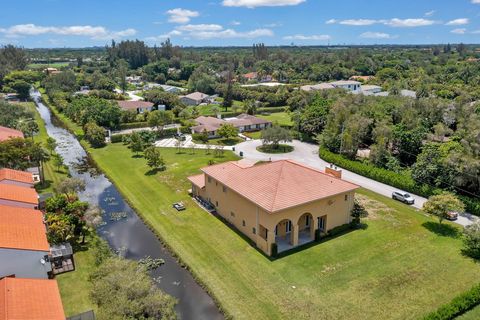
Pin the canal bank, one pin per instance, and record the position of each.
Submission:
(125, 231)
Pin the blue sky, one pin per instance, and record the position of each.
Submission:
(62, 23)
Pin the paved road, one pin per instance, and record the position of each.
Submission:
(308, 154)
(131, 94)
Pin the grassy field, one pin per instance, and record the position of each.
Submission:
(41, 66)
(52, 175)
(282, 118)
(402, 266)
(75, 287)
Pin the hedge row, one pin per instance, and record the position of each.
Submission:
(402, 181)
(155, 135)
(133, 125)
(458, 306)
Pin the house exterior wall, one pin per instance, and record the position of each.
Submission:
(17, 183)
(18, 204)
(189, 102)
(23, 263)
(259, 224)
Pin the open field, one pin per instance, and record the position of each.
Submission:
(395, 268)
(52, 175)
(282, 118)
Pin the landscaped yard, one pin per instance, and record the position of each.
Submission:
(473, 314)
(52, 175)
(282, 118)
(403, 265)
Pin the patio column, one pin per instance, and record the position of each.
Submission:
(270, 240)
(294, 235)
(313, 227)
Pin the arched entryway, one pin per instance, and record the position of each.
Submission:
(306, 230)
(284, 234)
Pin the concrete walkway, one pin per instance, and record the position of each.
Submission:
(188, 143)
(308, 153)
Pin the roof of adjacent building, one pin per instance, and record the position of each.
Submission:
(250, 75)
(30, 299)
(371, 87)
(196, 96)
(8, 133)
(345, 83)
(212, 124)
(133, 105)
(23, 229)
(320, 86)
(16, 175)
(19, 194)
(278, 185)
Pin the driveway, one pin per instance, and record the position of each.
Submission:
(308, 153)
(188, 143)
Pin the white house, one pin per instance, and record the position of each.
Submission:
(371, 89)
(24, 249)
(348, 85)
(137, 106)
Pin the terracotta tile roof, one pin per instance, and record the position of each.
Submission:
(16, 175)
(133, 105)
(278, 185)
(19, 194)
(22, 228)
(30, 299)
(250, 75)
(198, 180)
(8, 133)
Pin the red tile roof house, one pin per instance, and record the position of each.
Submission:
(16, 177)
(20, 197)
(243, 122)
(281, 203)
(24, 248)
(30, 299)
(8, 133)
(137, 106)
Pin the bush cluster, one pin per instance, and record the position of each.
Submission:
(458, 306)
(146, 135)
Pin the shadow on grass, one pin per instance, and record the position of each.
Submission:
(153, 172)
(43, 185)
(443, 230)
(136, 156)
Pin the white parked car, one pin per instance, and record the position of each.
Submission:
(403, 197)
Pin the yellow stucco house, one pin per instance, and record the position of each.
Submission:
(281, 202)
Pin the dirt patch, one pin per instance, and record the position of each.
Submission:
(374, 208)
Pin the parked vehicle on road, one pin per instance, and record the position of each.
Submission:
(403, 197)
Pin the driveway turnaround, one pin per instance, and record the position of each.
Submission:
(308, 153)
(188, 143)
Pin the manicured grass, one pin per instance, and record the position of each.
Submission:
(75, 287)
(253, 135)
(52, 175)
(47, 65)
(403, 265)
(282, 118)
(282, 148)
(225, 142)
(473, 314)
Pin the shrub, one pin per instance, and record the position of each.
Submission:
(458, 306)
(318, 235)
(274, 250)
(339, 230)
(133, 125)
(471, 240)
(147, 136)
(402, 180)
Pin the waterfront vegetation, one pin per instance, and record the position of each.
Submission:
(394, 268)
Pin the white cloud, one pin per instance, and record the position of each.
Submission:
(317, 37)
(375, 35)
(179, 15)
(476, 1)
(94, 32)
(429, 13)
(459, 31)
(358, 22)
(261, 3)
(230, 33)
(331, 21)
(273, 25)
(200, 27)
(458, 22)
(408, 23)
(235, 23)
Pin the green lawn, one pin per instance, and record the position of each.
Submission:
(399, 267)
(52, 175)
(253, 135)
(282, 118)
(75, 287)
(42, 66)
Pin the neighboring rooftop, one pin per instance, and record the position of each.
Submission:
(18, 194)
(30, 299)
(133, 105)
(8, 133)
(23, 229)
(345, 83)
(278, 185)
(16, 175)
(196, 96)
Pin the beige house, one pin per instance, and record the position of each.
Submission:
(281, 202)
(243, 122)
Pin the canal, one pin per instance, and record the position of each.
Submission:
(124, 230)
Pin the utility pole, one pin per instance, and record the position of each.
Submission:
(341, 138)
